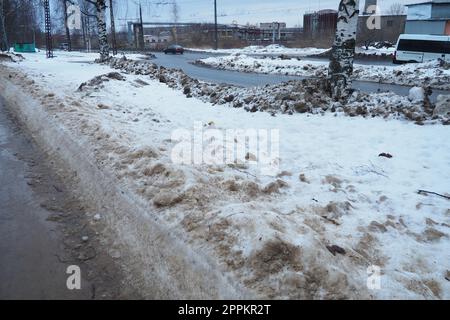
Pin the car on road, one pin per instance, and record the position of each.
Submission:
(64, 46)
(174, 49)
(421, 48)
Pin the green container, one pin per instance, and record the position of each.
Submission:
(25, 47)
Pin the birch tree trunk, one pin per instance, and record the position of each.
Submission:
(100, 6)
(3, 37)
(66, 21)
(343, 51)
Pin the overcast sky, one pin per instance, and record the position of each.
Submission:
(229, 11)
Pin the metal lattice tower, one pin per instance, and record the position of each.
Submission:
(48, 30)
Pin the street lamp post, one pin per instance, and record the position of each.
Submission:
(216, 36)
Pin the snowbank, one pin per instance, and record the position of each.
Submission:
(306, 96)
(156, 258)
(339, 207)
(10, 57)
(276, 49)
(273, 49)
(435, 74)
(374, 51)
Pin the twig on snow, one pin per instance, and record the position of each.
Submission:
(425, 192)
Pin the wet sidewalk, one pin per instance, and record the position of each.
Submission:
(30, 246)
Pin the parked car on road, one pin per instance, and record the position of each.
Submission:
(174, 49)
(64, 46)
(421, 48)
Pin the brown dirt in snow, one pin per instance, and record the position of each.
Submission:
(334, 210)
(367, 252)
(273, 257)
(428, 288)
(96, 82)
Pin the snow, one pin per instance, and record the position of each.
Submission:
(349, 196)
(273, 49)
(371, 50)
(430, 73)
(245, 63)
(276, 49)
(416, 94)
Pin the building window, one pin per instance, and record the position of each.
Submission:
(390, 23)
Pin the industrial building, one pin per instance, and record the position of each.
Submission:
(430, 17)
(264, 33)
(390, 28)
(157, 35)
(375, 27)
(320, 22)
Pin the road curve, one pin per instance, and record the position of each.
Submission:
(243, 79)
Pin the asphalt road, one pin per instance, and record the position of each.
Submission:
(41, 225)
(184, 62)
(29, 244)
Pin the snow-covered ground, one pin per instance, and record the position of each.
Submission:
(431, 73)
(335, 215)
(371, 50)
(277, 49)
(273, 49)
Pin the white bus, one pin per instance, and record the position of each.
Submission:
(421, 48)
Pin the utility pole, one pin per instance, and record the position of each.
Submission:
(86, 25)
(273, 32)
(276, 32)
(89, 33)
(83, 30)
(141, 31)
(113, 28)
(3, 37)
(69, 42)
(216, 32)
(48, 30)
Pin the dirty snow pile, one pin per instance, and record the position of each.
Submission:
(280, 50)
(273, 49)
(435, 74)
(10, 57)
(342, 210)
(306, 96)
(375, 51)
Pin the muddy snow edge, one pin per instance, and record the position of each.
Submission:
(165, 264)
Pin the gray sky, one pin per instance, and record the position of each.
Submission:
(240, 11)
